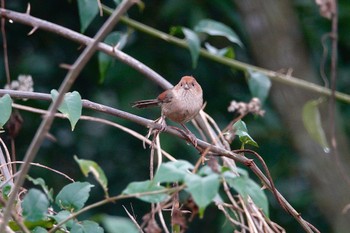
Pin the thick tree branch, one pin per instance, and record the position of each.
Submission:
(34, 22)
(48, 119)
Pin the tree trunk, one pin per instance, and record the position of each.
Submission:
(276, 43)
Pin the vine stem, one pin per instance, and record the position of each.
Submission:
(45, 125)
(152, 75)
(285, 79)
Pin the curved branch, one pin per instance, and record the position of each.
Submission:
(32, 21)
(204, 146)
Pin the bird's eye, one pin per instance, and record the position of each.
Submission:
(181, 84)
(193, 84)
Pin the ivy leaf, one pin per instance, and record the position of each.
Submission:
(6, 109)
(86, 226)
(194, 44)
(35, 205)
(39, 230)
(313, 125)
(41, 182)
(224, 52)
(215, 28)
(89, 166)
(71, 106)
(242, 132)
(146, 186)
(247, 187)
(172, 171)
(104, 60)
(73, 196)
(202, 189)
(259, 85)
(114, 224)
(88, 9)
(61, 216)
(6, 190)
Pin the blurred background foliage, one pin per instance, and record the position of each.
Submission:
(120, 155)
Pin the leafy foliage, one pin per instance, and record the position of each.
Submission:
(242, 132)
(35, 205)
(146, 187)
(117, 40)
(88, 166)
(313, 125)
(193, 43)
(202, 189)
(71, 106)
(115, 224)
(6, 109)
(88, 10)
(215, 28)
(259, 85)
(73, 196)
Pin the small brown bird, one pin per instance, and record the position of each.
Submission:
(180, 103)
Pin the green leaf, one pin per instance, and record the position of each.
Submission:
(41, 182)
(35, 205)
(194, 44)
(202, 189)
(146, 186)
(312, 123)
(46, 224)
(62, 215)
(89, 166)
(247, 187)
(259, 85)
(39, 230)
(86, 226)
(215, 28)
(114, 224)
(104, 60)
(242, 132)
(88, 9)
(71, 106)
(73, 196)
(6, 109)
(173, 171)
(206, 171)
(6, 190)
(117, 2)
(224, 52)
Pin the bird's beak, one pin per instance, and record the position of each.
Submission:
(186, 86)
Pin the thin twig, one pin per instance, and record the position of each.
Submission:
(42, 166)
(274, 190)
(16, 218)
(113, 199)
(99, 120)
(133, 219)
(4, 45)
